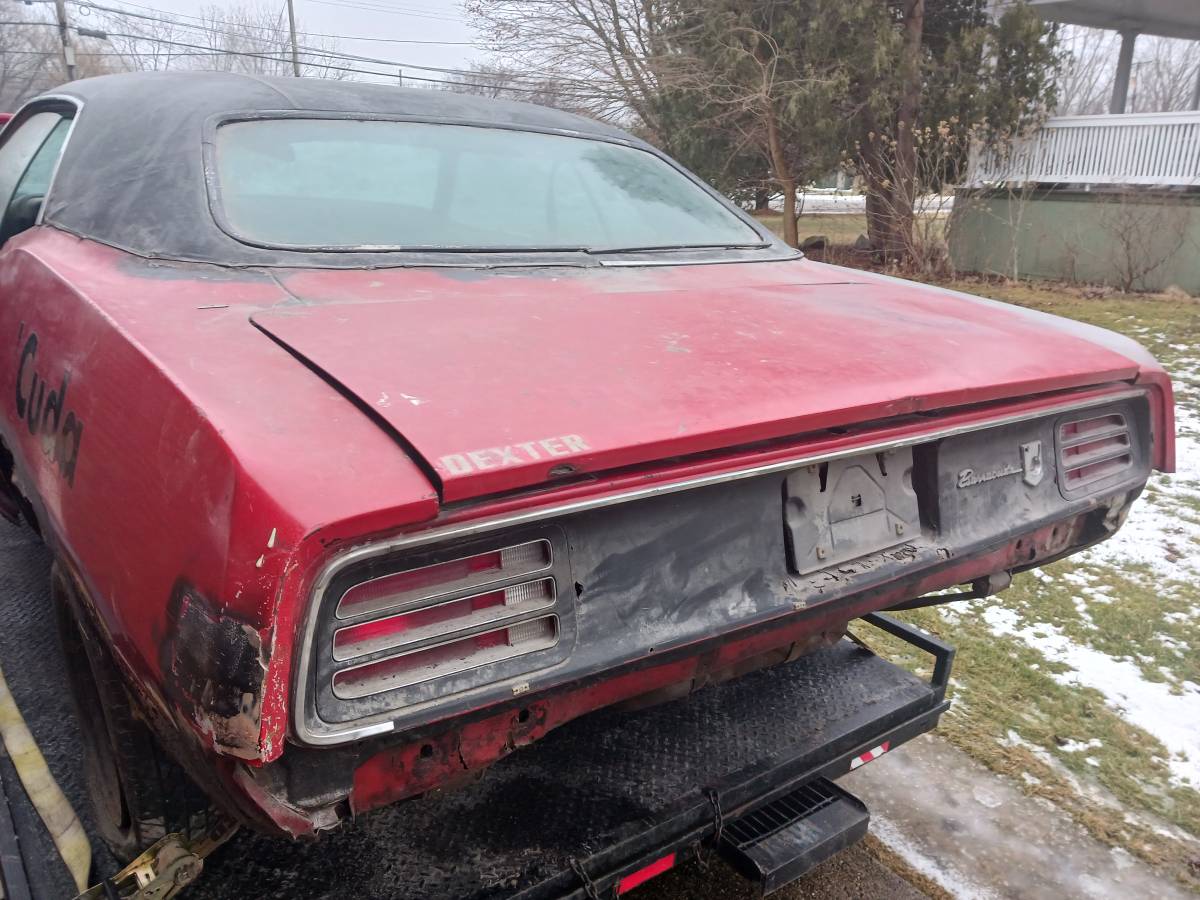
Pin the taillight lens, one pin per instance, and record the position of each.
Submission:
(1092, 452)
(408, 628)
(445, 658)
(443, 579)
(433, 621)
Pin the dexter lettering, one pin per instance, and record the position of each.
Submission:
(512, 455)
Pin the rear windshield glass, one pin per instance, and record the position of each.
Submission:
(347, 184)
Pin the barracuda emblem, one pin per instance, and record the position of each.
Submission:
(1031, 469)
(1031, 463)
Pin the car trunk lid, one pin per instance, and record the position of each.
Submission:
(502, 381)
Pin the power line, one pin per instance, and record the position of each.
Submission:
(322, 56)
(336, 54)
(371, 7)
(324, 65)
(86, 5)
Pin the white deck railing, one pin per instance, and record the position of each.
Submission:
(1137, 148)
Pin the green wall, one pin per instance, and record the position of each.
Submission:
(1149, 238)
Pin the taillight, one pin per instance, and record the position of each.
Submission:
(406, 629)
(445, 658)
(1092, 452)
(434, 621)
(443, 579)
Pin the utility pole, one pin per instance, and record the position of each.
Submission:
(291, 28)
(64, 35)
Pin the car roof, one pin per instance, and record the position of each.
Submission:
(133, 172)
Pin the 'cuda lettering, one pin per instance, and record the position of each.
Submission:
(43, 411)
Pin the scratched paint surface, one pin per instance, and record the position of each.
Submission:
(211, 455)
(532, 372)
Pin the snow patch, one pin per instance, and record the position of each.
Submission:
(1171, 718)
(1077, 746)
(1163, 530)
(947, 876)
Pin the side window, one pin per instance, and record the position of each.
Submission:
(27, 160)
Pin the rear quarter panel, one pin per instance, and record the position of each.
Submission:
(203, 468)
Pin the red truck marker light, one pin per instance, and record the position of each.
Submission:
(644, 874)
(864, 758)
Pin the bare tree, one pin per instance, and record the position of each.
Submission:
(1163, 78)
(254, 40)
(776, 88)
(31, 58)
(1164, 74)
(251, 39)
(499, 82)
(1085, 80)
(602, 55)
(1146, 233)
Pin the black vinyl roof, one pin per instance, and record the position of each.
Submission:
(133, 172)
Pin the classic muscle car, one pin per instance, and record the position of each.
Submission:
(378, 432)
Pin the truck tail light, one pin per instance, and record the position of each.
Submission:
(430, 622)
(1093, 451)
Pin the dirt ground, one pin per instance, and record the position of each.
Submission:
(868, 869)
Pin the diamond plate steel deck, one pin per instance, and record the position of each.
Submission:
(605, 778)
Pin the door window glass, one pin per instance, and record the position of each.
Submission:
(19, 150)
(27, 162)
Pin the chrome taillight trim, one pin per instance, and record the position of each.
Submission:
(474, 623)
(466, 585)
(488, 656)
(310, 730)
(1108, 461)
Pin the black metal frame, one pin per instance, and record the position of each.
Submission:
(697, 818)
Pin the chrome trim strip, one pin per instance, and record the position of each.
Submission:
(455, 628)
(78, 104)
(496, 657)
(362, 728)
(465, 584)
(1103, 454)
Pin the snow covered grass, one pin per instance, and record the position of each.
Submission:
(1082, 682)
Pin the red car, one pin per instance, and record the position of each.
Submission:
(378, 432)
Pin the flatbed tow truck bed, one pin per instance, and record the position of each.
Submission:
(594, 808)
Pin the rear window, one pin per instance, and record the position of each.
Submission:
(356, 184)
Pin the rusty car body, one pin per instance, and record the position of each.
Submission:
(378, 432)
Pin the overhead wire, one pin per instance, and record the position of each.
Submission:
(86, 5)
(322, 55)
(322, 65)
(538, 77)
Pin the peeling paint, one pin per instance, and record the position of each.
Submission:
(214, 666)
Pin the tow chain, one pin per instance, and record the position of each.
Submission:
(163, 870)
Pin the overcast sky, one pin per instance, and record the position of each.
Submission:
(410, 20)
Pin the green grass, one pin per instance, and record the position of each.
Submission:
(1014, 717)
(1011, 713)
(839, 228)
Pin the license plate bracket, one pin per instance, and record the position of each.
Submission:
(844, 509)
